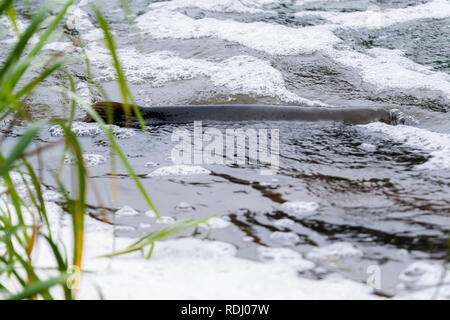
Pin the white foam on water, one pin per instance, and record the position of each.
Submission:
(302, 2)
(125, 228)
(177, 266)
(383, 68)
(239, 74)
(127, 211)
(284, 256)
(286, 237)
(19, 179)
(150, 164)
(334, 252)
(59, 46)
(387, 69)
(236, 6)
(165, 219)
(78, 19)
(84, 93)
(11, 35)
(424, 280)
(89, 159)
(19, 185)
(300, 208)
(51, 195)
(85, 129)
(23, 184)
(284, 222)
(215, 223)
(270, 38)
(212, 269)
(178, 170)
(80, 129)
(245, 74)
(184, 206)
(145, 225)
(368, 147)
(422, 273)
(438, 144)
(374, 17)
(150, 214)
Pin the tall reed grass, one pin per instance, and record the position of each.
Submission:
(24, 219)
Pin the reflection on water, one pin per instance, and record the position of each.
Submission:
(370, 192)
(331, 187)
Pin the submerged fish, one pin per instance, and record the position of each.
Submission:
(242, 112)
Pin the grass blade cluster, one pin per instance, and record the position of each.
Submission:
(24, 217)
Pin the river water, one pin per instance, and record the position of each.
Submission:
(345, 197)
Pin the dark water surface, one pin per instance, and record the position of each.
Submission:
(373, 189)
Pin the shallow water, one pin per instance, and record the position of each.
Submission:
(383, 191)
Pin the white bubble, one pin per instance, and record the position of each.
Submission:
(285, 256)
(84, 129)
(125, 228)
(127, 211)
(51, 195)
(145, 225)
(165, 219)
(368, 147)
(214, 223)
(150, 214)
(334, 252)
(150, 164)
(422, 273)
(287, 237)
(184, 206)
(179, 170)
(300, 208)
(284, 222)
(89, 159)
(438, 144)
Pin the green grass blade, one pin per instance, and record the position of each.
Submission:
(16, 53)
(4, 5)
(27, 88)
(42, 41)
(79, 205)
(20, 147)
(121, 79)
(91, 112)
(12, 17)
(150, 239)
(39, 287)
